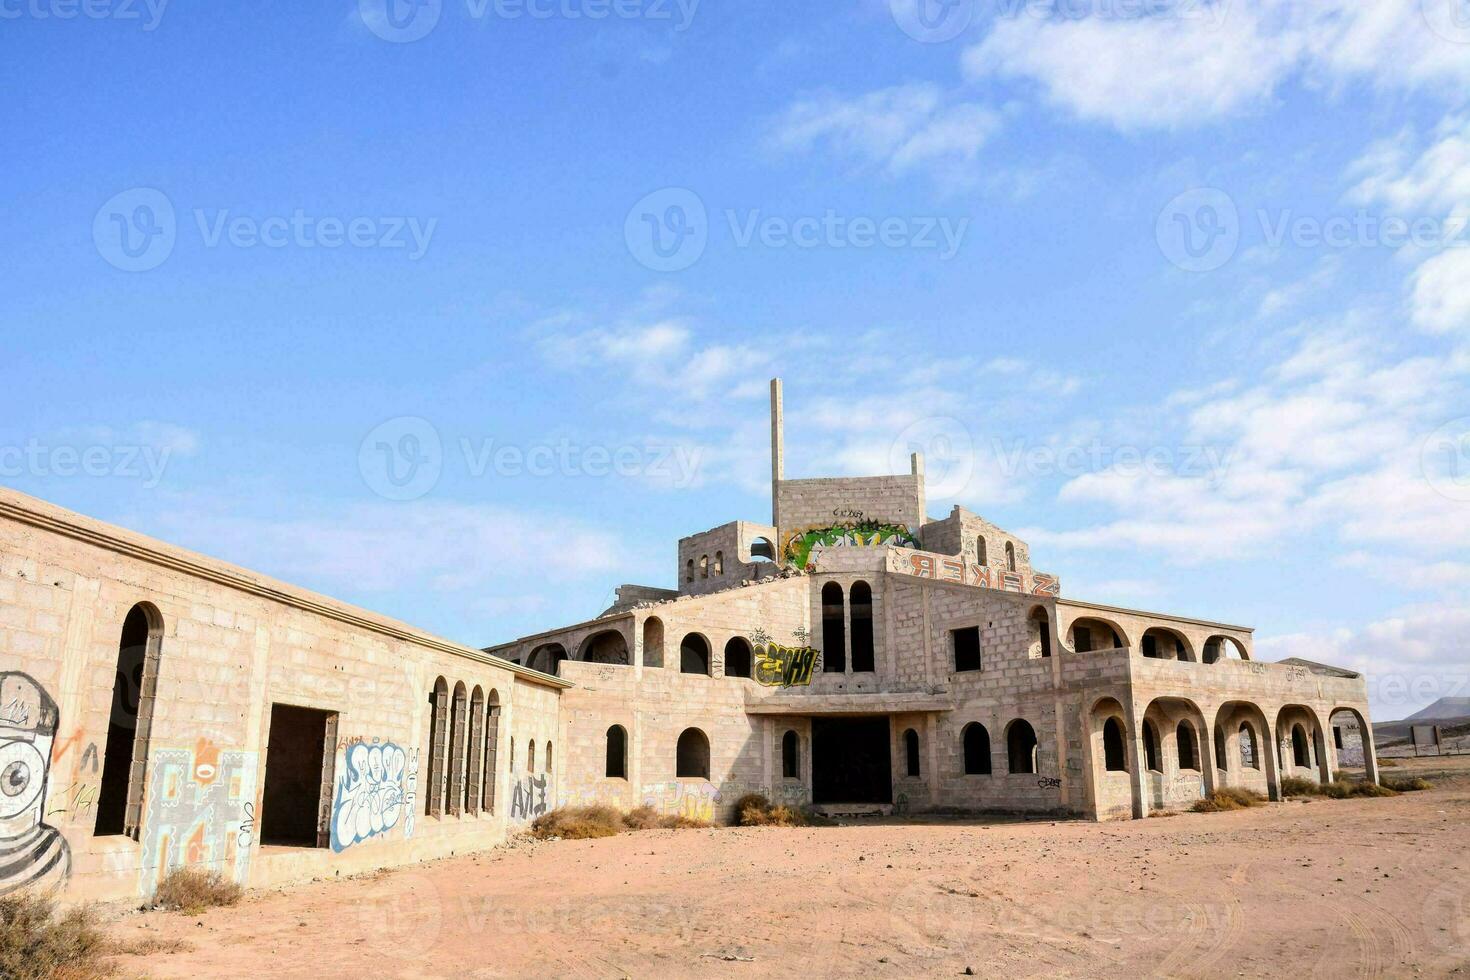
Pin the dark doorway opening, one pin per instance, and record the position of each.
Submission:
(295, 809)
(851, 761)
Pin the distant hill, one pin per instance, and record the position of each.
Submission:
(1445, 709)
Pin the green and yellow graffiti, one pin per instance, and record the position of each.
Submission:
(863, 534)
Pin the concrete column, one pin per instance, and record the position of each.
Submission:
(1370, 752)
(931, 741)
(1207, 761)
(1272, 750)
(1138, 768)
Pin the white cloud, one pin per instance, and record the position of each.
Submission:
(1438, 179)
(1174, 69)
(1441, 293)
(897, 129)
(381, 547)
(1141, 72)
(1411, 659)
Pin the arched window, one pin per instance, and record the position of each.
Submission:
(438, 748)
(1248, 757)
(1301, 754)
(704, 566)
(977, 749)
(980, 555)
(653, 642)
(1151, 747)
(1115, 753)
(530, 755)
(1040, 632)
(692, 755)
(1010, 557)
(492, 744)
(548, 765)
(606, 647)
(694, 655)
(1021, 746)
(1222, 759)
(689, 570)
(458, 721)
(719, 563)
(617, 753)
(861, 597)
(834, 631)
(474, 778)
(737, 657)
(790, 756)
(1188, 747)
(911, 752)
(129, 724)
(762, 550)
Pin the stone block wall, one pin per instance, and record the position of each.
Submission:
(230, 645)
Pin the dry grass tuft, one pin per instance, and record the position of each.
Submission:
(755, 810)
(579, 823)
(191, 890)
(1228, 798)
(1339, 789)
(601, 820)
(1408, 784)
(38, 944)
(1297, 786)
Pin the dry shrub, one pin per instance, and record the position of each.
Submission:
(578, 823)
(601, 820)
(1297, 786)
(643, 818)
(1338, 789)
(38, 944)
(147, 946)
(1411, 784)
(754, 810)
(191, 890)
(1228, 798)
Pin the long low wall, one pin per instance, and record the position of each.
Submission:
(239, 698)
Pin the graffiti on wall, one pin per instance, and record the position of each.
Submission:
(411, 793)
(195, 801)
(32, 853)
(689, 799)
(529, 797)
(803, 547)
(78, 760)
(372, 793)
(942, 568)
(781, 666)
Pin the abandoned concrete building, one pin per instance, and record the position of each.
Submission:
(161, 709)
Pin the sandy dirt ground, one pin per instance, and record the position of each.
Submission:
(1358, 888)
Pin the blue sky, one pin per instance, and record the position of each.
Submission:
(1180, 291)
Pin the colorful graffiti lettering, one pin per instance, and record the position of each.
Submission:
(370, 797)
(940, 568)
(779, 666)
(692, 800)
(800, 545)
(31, 852)
(195, 798)
(528, 798)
